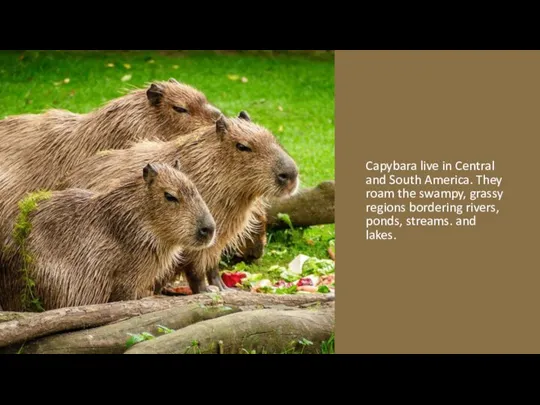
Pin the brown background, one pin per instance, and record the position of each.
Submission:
(439, 290)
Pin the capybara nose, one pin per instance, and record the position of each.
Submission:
(287, 176)
(206, 229)
(284, 178)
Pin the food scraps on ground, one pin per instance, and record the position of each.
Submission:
(303, 274)
(231, 279)
(182, 290)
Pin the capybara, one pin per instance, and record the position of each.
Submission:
(36, 150)
(86, 247)
(235, 164)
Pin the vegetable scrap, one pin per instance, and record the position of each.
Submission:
(304, 274)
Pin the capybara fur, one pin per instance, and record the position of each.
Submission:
(36, 150)
(251, 247)
(87, 247)
(235, 164)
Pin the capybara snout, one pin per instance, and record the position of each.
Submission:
(287, 175)
(206, 230)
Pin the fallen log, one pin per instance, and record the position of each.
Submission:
(267, 331)
(111, 339)
(11, 316)
(310, 206)
(84, 317)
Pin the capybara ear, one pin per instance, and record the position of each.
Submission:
(176, 164)
(173, 80)
(154, 94)
(149, 173)
(222, 127)
(244, 116)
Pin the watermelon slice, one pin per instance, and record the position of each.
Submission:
(231, 279)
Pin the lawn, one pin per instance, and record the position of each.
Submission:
(292, 95)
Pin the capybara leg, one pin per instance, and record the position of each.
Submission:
(158, 288)
(197, 284)
(123, 293)
(215, 279)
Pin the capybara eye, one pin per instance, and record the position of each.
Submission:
(242, 148)
(170, 197)
(180, 109)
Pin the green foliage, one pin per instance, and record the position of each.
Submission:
(164, 329)
(285, 218)
(143, 336)
(194, 347)
(21, 231)
(304, 342)
(323, 289)
(287, 290)
(27, 205)
(137, 338)
(327, 346)
(319, 267)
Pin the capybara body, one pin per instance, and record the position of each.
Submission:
(87, 247)
(36, 150)
(235, 164)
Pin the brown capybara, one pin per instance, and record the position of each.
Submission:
(89, 248)
(36, 150)
(235, 164)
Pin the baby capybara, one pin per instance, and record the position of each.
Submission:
(86, 247)
(234, 164)
(36, 150)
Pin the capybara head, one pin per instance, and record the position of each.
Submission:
(177, 211)
(181, 106)
(255, 157)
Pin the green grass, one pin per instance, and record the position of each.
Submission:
(292, 95)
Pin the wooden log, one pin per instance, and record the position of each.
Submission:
(10, 316)
(310, 206)
(112, 338)
(267, 331)
(75, 318)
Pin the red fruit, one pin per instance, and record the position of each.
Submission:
(304, 281)
(183, 290)
(231, 279)
(280, 283)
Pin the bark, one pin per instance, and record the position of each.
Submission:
(310, 206)
(267, 331)
(11, 316)
(111, 339)
(84, 317)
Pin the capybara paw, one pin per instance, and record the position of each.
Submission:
(222, 287)
(218, 282)
(211, 289)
